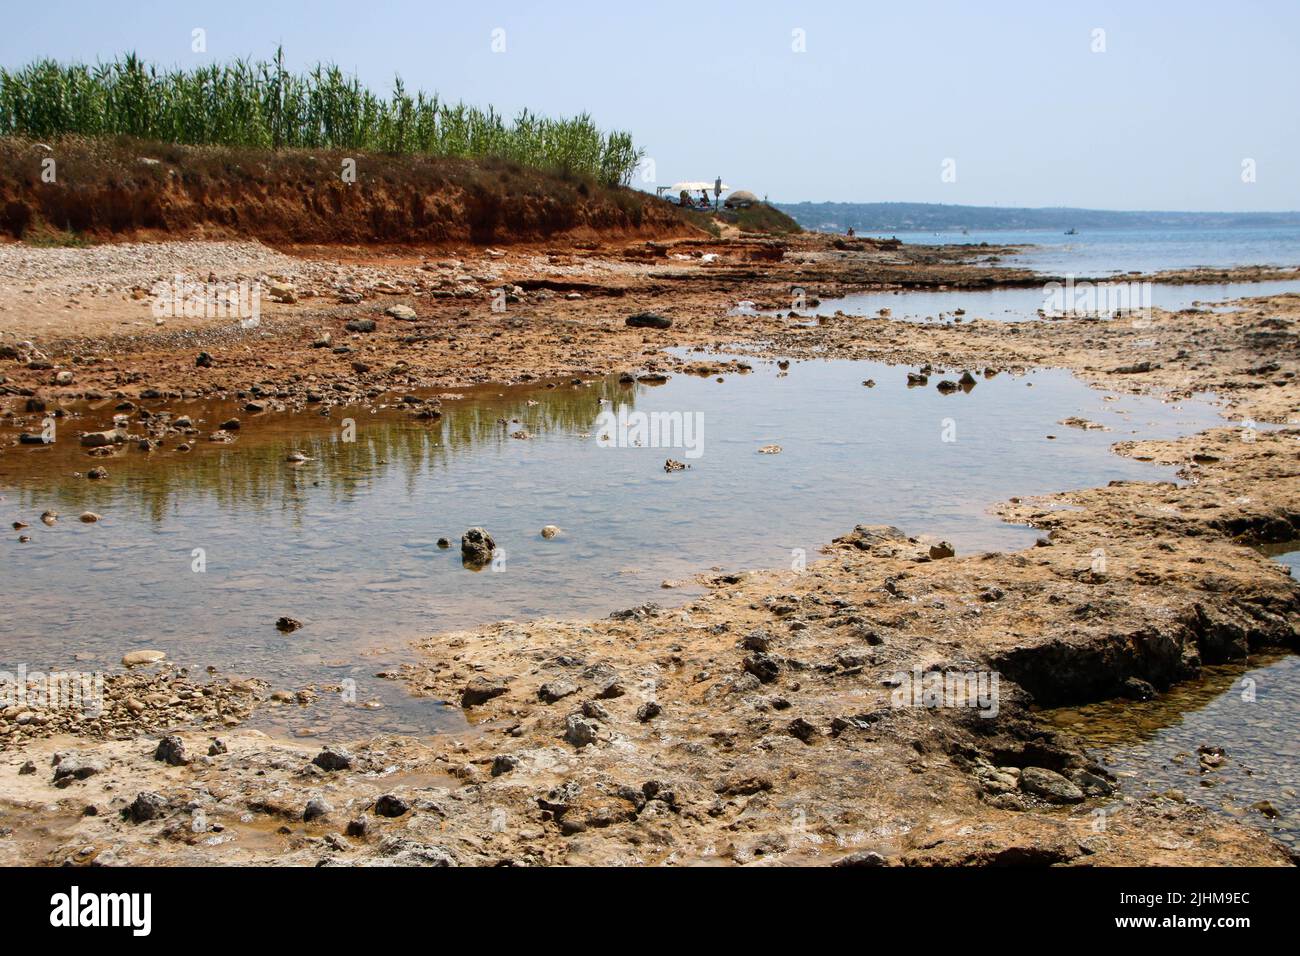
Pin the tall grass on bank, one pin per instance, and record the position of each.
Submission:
(260, 104)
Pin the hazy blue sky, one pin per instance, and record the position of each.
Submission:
(882, 95)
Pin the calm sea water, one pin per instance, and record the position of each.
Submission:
(1022, 305)
(347, 541)
(1103, 252)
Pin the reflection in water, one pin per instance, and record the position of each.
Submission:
(198, 554)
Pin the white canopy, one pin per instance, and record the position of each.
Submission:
(678, 187)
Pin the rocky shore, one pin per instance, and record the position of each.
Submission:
(765, 722)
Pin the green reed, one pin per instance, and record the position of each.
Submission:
(262, 105)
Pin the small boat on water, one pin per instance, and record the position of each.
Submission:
(1072, 232)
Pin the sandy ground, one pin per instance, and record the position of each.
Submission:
(758, 724)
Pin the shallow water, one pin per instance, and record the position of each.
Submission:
(1250, 711)
(346, 542)
(1100, 252)
(1022, 305)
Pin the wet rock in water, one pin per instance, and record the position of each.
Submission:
(140, 658)
(73, 766)
(357, 827)
(316, 808)
(360, 325)
(550, 531)
(770, 450)
(1049, 785)
(580, 731)
(146, 806)
(88, 517)
(648, 320)
(101, 439)
(334, 758)
(391, 805)
(942, 549)
(480, 690)
(287, 625)
(648, 711)
(555, 690)
(673, 464)
(504, 763)
(477, 546)
(203, 360)
(403, 313)
(230, 425)
(915, 379)
(1267, 809)
(947, 386)
(444, 543)
(967, 380)
(1135, 688)
(171, 750)
(97, 474)
(217, 747)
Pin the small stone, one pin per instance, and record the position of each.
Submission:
(648, 320)
(504, 763)
(550, 531)
(357, 827)
(480, 690)
(146, 806)
(88, 517)
(72, 766)
(552, 691)
(1049, 785)
(217, 747)
(317, 807)
(334, 758)
(942, 549)
(580, 731)
(287, 625)
(802, 729)
(171, 750)
(140, 658)
(360, 325)
(390, 805)
(648, 711)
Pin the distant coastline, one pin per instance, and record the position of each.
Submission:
(942, 217)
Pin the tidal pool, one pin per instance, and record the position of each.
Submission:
(347, 541)
(1250, 712)
(1022, 304)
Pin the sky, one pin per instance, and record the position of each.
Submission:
(1191, 105)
